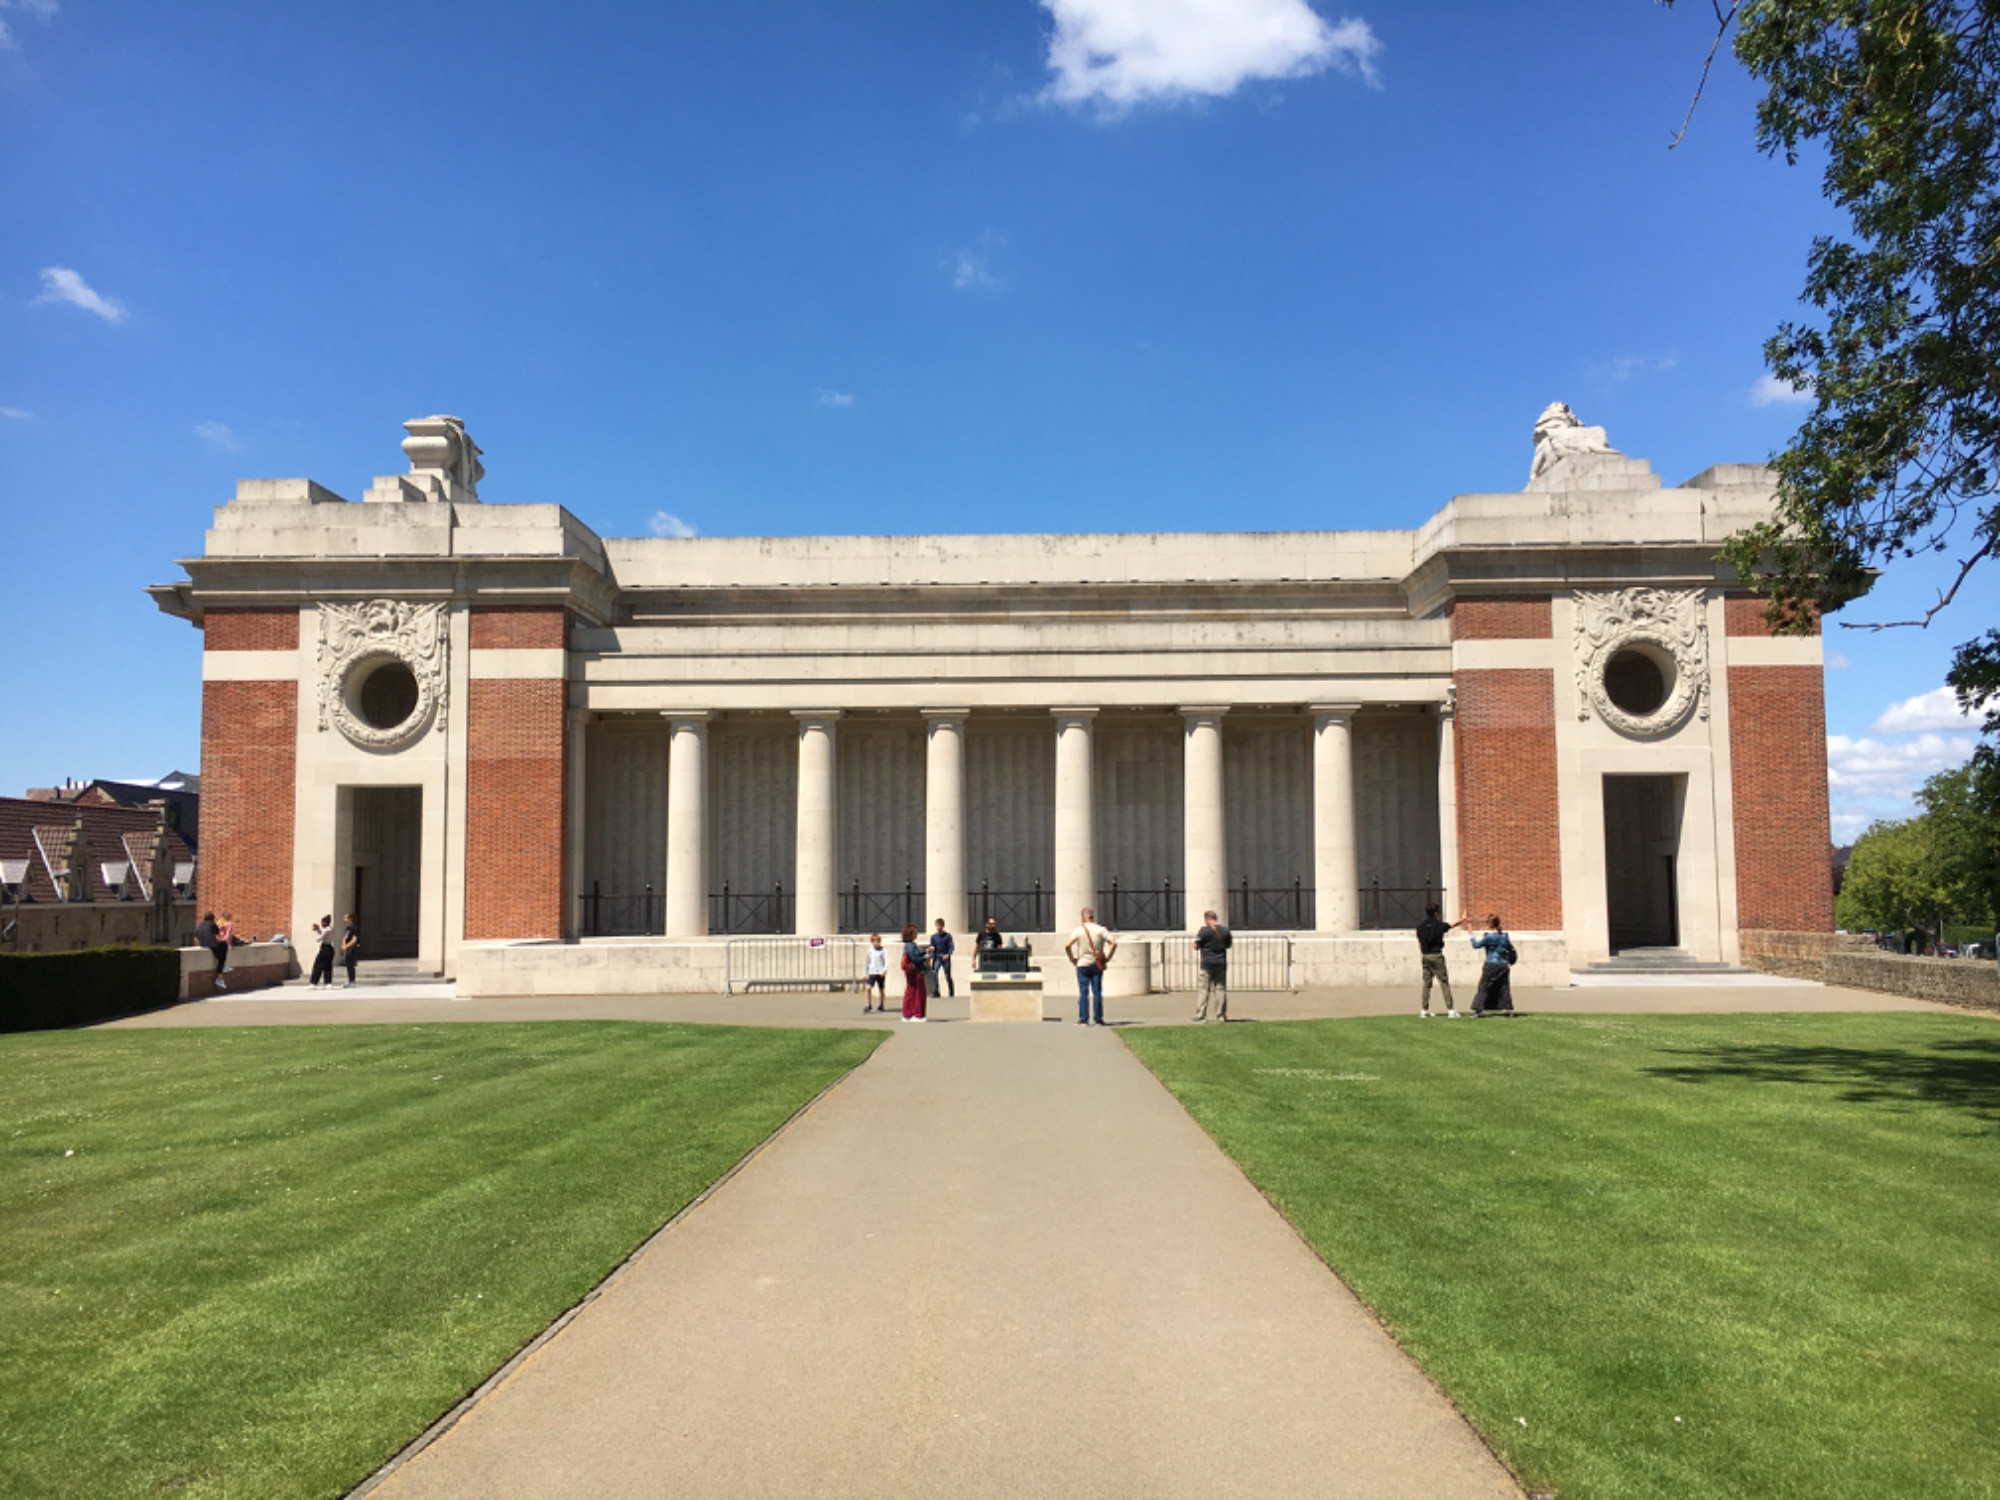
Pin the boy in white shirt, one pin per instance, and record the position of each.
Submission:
(878, 976)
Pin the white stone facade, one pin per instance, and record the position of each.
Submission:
(1261, 722)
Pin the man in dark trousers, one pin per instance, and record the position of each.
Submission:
(1430, 944)
(208, 935)
(322, 969)
(1212, 943)
(941, 951)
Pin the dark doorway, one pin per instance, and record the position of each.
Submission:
(388, 868)
(1642, 846)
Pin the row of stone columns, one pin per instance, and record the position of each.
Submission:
(816, 878)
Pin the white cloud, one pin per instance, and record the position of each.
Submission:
(1625, 366)
(1771, 391)
(968, 269)
(15, 414)
(60, 284)
(1937, 709)
(1881, 768)
(41, 10)
(1835, 662)
(217, 435)
(835, 398)
(1118, 53)
(666, 523)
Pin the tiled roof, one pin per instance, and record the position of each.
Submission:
(30, 831)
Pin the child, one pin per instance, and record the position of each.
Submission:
(878, 976)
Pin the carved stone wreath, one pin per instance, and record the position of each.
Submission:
(355, 639)
(1673, 623)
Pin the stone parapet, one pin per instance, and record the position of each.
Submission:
(1392, 960)
(1797, 955)
(1972, 983)
(253, 966)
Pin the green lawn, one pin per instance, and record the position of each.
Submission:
(1664, 1256)
(256, 1262)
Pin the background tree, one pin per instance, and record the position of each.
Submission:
(1892, 882)
(1901, 450)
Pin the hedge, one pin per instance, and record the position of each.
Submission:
(43, 991)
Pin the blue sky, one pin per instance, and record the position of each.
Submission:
(996, 266)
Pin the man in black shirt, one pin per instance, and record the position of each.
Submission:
(1430, 943)
(1213, 942)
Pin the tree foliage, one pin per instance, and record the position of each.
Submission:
(1938, 867)
(1901, 450)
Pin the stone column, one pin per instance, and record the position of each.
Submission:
(687, 824)
(1205, 873)
(944, 817)
(1337, 886)
(816, 873)
(1076, 829)
(1448, 806)
(573, 821)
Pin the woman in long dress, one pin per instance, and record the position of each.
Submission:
(914, 1006)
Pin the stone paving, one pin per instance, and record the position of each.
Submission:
(996, 1260)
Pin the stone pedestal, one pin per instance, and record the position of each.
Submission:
(1007, 997)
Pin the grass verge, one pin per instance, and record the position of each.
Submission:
(1650, 1255)
(257, 1262)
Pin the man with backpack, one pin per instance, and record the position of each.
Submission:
(1495, 992)
(1213, 943)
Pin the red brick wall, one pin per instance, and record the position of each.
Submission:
(1743, 614)
(1777, 758)
(249, 753)
(250, 630)
(1509, 832)
(1502, 617)
(516, 786)
(519, 629)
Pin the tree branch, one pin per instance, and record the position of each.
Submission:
(1932, 613)
(1722, 20)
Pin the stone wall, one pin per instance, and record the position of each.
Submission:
(1798, 955)
(91, 924)
(1973, 983)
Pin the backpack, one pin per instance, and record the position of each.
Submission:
(1507, 954)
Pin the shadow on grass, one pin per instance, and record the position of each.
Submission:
(1963, 1075)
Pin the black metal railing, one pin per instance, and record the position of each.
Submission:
(1013, 911)
(1277, 908)
(620, 915)
(882, 911)
(1143, 909)
(741, 912)
(1387, 906)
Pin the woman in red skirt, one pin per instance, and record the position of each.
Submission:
(915, 993)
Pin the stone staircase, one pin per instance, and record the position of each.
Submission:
(1656, 964)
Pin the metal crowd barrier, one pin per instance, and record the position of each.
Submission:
(1255, 963)
(793, 963)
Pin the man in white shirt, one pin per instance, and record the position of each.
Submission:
(1090, 948)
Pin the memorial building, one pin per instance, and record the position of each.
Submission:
(544, 761)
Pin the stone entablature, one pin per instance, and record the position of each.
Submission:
(1150, 661)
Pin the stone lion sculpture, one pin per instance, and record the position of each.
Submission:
(1559, 434)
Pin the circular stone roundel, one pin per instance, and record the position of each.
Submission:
(381, 720)
(1648, 648)
(382, 671)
